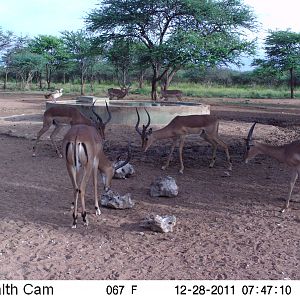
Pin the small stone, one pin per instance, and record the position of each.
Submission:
(124, 172)
(160, 223)
(164, 187)
(115, 200)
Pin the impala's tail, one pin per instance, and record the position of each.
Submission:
(76, 154)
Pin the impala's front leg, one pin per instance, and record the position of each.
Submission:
(164, 167)
(182, 139)
(292, 184)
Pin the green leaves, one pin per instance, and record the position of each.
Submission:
(177, 33)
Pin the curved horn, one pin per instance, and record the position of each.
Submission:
(149, 119)
(127, 159)
(138, 123)
(249, 137)
(97, 116)
(109, 114)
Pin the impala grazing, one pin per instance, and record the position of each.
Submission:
(54, 95)
(83, 149)
(178, 128)
(289, 154)
(117, 93)
(61, 116)
(166, 94)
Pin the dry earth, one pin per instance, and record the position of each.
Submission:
(228, 227)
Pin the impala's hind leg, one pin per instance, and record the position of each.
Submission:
(44, 129)
(164, 167)
(211, 141)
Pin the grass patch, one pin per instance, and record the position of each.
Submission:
(188, 89)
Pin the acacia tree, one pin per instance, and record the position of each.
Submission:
(15, 45)
(120, 55)
(81, 51)
(282, 53)
(51, 48)
(25, 64)
(176, 33)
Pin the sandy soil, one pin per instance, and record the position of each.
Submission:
(228, 227)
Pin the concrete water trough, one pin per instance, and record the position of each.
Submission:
(124, 111)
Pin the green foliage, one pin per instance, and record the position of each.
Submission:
(6, 39)
(176, 32)
(282, 54)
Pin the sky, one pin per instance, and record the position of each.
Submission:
(50, 17)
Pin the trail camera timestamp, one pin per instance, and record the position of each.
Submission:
(246, 290)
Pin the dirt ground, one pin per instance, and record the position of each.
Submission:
(228, 227)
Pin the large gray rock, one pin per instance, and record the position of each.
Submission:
(125, 171)
(115, 200)
(160, 223)
(164, 187)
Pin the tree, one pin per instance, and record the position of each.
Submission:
(15, 45)
(120, 55)
(176, 32)
(25, 64)
(6, 39)
(80, 48)
(51, 48)
(282, 50)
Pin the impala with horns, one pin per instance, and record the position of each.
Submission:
(118, 93)
(61, 116)
(177, 130)
(83, 150)
(289, 154)
(54, 95)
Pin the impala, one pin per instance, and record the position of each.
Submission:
(117, 93)
(289, 154)
(54, 95)
(83, 149)
(166, 94)
(178, 128)
(61, 116)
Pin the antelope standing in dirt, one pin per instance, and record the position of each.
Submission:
(62, 116)
(118, 93)
(54, 95)
(177, 130)
(289, 154)
(83, 149)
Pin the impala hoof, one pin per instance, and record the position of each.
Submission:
(98, 212)
(33, 155)
(283, 210)
(163, 167)
(74, 226)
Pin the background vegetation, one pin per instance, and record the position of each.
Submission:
(195, 46)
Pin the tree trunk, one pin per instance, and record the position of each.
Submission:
(40, 80)
(154, 82)
(48, 76)
(292, 82)
(82, 84)
(169, 78)
(141, 79)
(5, 79)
